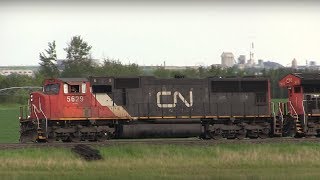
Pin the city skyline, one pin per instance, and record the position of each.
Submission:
(185, 34)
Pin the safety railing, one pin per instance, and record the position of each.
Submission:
(304, 114)
(39, 110)
(293, 109)
(281, 111)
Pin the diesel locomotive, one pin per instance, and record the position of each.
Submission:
(101, 108)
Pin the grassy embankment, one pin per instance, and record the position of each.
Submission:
(259, 161)
(9, 123)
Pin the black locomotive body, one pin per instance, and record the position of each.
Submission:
(141, 107)
(182, 107)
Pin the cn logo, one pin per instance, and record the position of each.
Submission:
(176, 94)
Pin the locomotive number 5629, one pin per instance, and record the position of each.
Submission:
(74, 98)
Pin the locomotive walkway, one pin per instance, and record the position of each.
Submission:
(182, 141)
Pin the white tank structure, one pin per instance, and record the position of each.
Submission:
(227, 59)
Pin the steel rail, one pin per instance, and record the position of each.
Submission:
(183, 141)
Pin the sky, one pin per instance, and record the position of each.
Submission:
(182, 33)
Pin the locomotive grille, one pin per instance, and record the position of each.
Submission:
(239, 86)
(121, 83)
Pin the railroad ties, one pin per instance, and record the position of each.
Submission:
(87, 152)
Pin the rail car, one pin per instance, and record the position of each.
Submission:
(101, 108)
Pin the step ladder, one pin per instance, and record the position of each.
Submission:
(277, 127)
(298, 124)
(299, 127)
(277, 120)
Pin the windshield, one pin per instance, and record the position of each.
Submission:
(51, 89)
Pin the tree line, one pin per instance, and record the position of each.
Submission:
(79, 63)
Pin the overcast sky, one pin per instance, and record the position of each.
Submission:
(150, 33)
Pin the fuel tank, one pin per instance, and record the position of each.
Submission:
(159, 130)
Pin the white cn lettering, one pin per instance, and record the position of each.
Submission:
(175, 99)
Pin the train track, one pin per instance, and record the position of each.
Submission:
(184, 141)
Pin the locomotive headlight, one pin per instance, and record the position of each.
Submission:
(31, 97)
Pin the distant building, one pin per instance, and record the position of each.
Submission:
(227, 59)
(242, 59)
(7, 72)
(260, 63)
(294, 64)
(312, 63)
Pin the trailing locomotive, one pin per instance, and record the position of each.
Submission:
(301, 115)
(100, 108)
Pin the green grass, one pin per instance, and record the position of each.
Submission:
(260, 161)
(9, 123)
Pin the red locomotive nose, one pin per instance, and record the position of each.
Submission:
(38, 107)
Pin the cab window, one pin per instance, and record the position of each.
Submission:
(297, 90)
(51, 89)
(74, 88)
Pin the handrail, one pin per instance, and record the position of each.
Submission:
(272, 104)
(40, 110)
(22, 87)
(44, 117)
(274, 116)
(281, 113)
(34, 110)
(295, 112)
(304, 114)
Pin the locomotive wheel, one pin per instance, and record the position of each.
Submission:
(66, 139)
(242, 134)
(210, 134)
(263, 136)
(265, 133)
(253, 134)
(217, 134)
(109, 135)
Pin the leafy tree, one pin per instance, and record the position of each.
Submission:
(16, 80)
(48, 69)
(202, 71)
(79, 62)
(161, 72)
(78, 49)
(191, 73)
(112, 67)
(2, 80)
